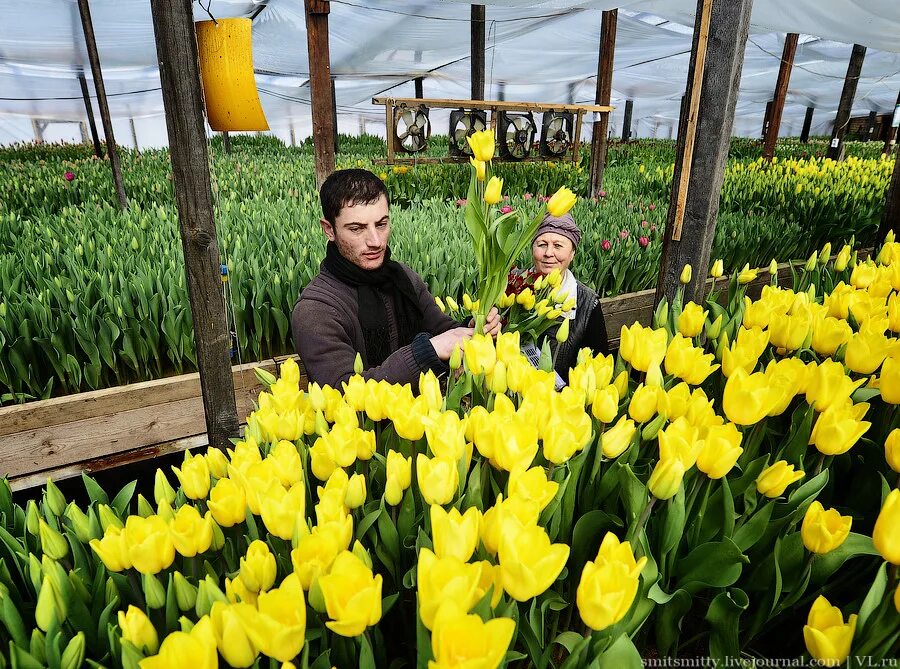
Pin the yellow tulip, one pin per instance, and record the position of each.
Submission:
(150, 546)
(194, 476)
(866, 350)
(231, 632)
(680, 440)
(748, 398)
(643, 347)
(718, 269)
(773, 480)
(258, 567)
(892, 449)
(721, 450)
(137, 628)
(562, 334)
(438, 478)
(829, 333)
(480, 354)
(838, 428)
(352, 595)
(886, 535)
(665, 480)
(191, 533)
(746, 275)
(445, 581)
(281, 509)
(287, 461)
(455, 534)
(617, 439)
(532, 485)
(826, 635)
(278, 626)
(217, 462)
(685, 277)
(678, 400)
(186, 650)
(687, 361)
(608, 584)
(112, 549)
(828, 385)
(643, 403)
(479, 166)
(563, 437)
(822, 530)
(313, 556)
(561, 202)
(461, 640)
(842, 258)
(512, 441)
(863, 275)
(399, 477)
(482, 145)
(605, 404)
(355, 496)
(493, 190)
(692, 318)
(227, 503)
(446, 435)
(529, 562)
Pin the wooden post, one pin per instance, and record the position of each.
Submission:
(476, 55)
(704, 138)
(844, 108)
(134, 134)
(890, 219)
(89, 110)
(599, 141)
(293, 137)
(807, 124)
(892, 128)
(97, 74)
(418, 80)
(766, 117)
(323, 125)
(337, 147)
(179, 73)
(626, 124)
(226, 141)
(82, 128)
(781, 88)
(38, 131)
(501, 91)
(870, 126)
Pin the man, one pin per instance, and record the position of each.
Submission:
(364, 302)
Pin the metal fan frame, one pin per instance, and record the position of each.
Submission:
(398, 140)
(568, 119)
(504, 120)
(455, 116)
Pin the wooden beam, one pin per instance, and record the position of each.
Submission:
(890, 219)
(323, 125)
(89, 110)
(226, 141)
(179, 72)
(870, 126)
(599, 140)
(700, 165)
(418, 80)
(97, 74)
(493, 105)
(38, 131)
(476, 51)
(626, 123)
(134, 134)
(293, 136)
(893, 123)
(807, 124)
(765, 126)
(842, 120)
(337, 147)
(781, 88)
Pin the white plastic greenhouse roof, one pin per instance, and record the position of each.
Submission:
(541, 51)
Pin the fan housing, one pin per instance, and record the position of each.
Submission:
(516, 133)
(463, 123)
(557, 130)
(412, 128)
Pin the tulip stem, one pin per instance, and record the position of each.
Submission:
(819, 464)
(635, 529)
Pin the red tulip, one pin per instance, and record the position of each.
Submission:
(69, 176)
(606, 245)
(644, 242)
(624, 234)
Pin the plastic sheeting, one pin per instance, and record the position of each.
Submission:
(541, 51)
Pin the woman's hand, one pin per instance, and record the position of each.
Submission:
(491, 324)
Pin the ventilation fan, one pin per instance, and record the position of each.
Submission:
(516, 135)
(412, 129)
(557, 133)
(462, 124)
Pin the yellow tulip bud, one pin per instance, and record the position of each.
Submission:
(718, 269)
(826, 635)
(812, 261)
(643, 403)
(617, 439)
(561, 202)
(691, 319)
(892, 450)
(605, 405)
(621, 383)
(608, 584)
(773, 480)
(194, 476)
(355, 496)
(258, 567)
(482, 145)
(479, 167)
(53, 544)
(562, 334)
(137, 628)
(773, 267)
(665, 480)
(822, 530)
(455, 534)
(886, 535)
(685, 277)
(492, 192)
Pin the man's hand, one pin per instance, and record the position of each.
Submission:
(491, 323)
(446, 341)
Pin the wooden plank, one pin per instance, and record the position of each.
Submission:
(97, 437)
(411, 158)
(179, 72)
(693, 118)
(323, 110)
(605, 62)
(95, 403)
(576, 140)
(90, 43)
(493, 105)
(781, 87)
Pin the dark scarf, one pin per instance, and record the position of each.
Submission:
(371, 285)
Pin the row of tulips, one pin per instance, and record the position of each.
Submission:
(728, 467)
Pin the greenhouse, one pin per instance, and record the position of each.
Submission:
(394, 333)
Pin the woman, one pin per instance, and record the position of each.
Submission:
(553, 248)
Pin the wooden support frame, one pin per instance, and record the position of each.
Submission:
(476, 50)
(626, 122)
(845, 107)
(781, 88)
(179, 73)
(323, 111)
(892, 131)
(89, 111)
(493, 106)
(704, 139)
(90, 42)
(807, 124)
(599, 139)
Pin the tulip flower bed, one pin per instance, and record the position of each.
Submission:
(724, 486)
(93, 297)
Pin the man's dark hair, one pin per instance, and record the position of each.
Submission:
(349, 187)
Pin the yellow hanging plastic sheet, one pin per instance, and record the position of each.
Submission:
(226, 68)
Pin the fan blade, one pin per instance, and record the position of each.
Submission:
(519, 122)
(407, 117)
(459, 136)
(554, 126)
(478, 124)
